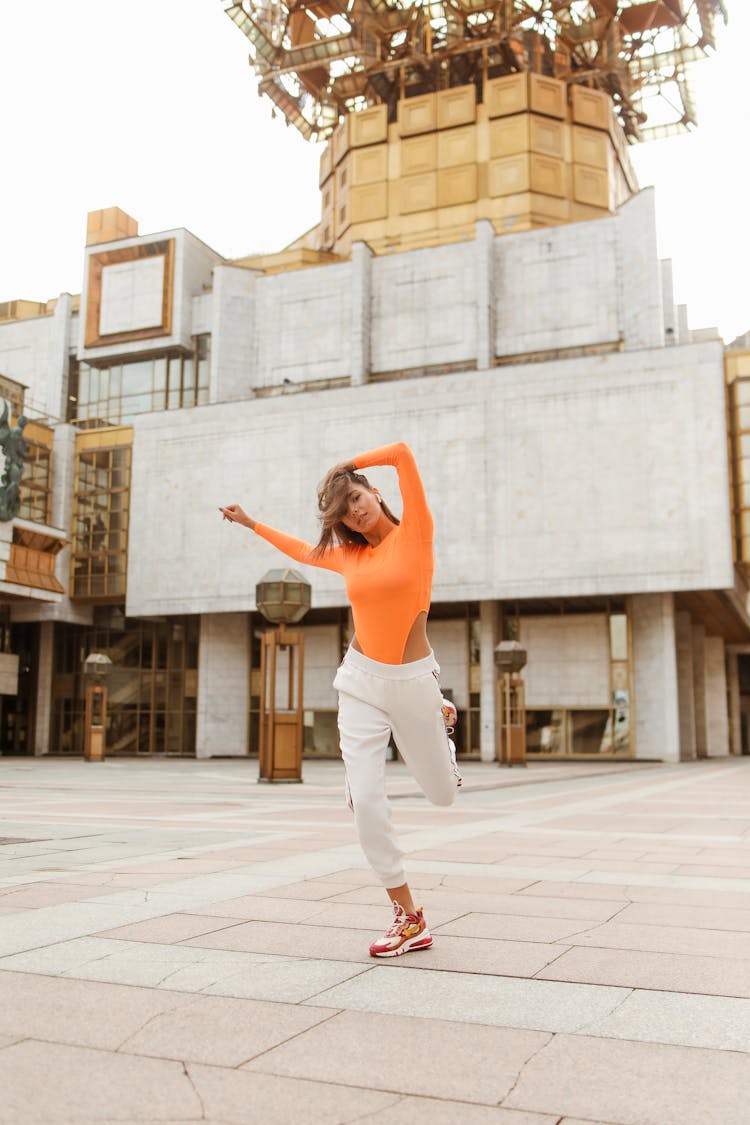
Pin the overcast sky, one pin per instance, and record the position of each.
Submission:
(151, 106)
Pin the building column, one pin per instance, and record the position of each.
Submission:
(685, 686)
(223, 686)
(361, 309)
(717, 717)
(485, 290)
(488, 627)
(735, 718)
(43, 700)
(699, 689)
(657, 727)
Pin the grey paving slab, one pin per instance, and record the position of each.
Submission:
(44, 1083)
(634, 1083)
(413, 1056)
(719, 1022)
(473, 998)
(664, 972)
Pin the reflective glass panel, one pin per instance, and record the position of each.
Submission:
(545, 732)
(590, 732)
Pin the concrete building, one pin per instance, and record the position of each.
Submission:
(582, 452)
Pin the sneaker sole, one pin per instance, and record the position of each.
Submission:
(410, 946)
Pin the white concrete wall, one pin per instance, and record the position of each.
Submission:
(717, 711)
(233, 333)
(193, 263)
(34, 352)
(593, 475)
(424, 308)
(223, 686)
(657, 724)
(567, 660)
(557, 288)
(302, 326)
(639, 276)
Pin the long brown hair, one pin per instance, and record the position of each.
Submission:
(333, 502)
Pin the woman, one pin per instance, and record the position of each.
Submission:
(388, 680)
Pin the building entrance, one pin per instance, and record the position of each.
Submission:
(152, 688)
(17, 712)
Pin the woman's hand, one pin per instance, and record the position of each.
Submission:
(342, 468)
(235, 514)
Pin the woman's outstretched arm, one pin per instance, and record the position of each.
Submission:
(296, 549)
(416, 510)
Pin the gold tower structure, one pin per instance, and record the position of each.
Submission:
(441, 112)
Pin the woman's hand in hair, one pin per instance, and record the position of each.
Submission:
(340, 469)
(235, 514)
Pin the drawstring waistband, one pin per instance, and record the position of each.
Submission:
(410, 671)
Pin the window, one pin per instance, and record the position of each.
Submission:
(35, 482)
(114, 395)
(100, 527)
(152, 688)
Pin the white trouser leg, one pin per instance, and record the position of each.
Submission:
(375, 699)
(419, 730)
(365, 732)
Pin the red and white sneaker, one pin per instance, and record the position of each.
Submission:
(407, 932)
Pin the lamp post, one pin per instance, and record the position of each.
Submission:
(96, 668)
(510, 658)
(283, 597)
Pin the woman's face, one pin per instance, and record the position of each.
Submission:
(363, 510)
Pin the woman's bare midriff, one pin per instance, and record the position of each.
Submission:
(417, 645)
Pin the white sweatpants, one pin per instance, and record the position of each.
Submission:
(375, 699)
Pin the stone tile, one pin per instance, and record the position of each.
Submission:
(605, 892)
(262, 908)
(665, 972)
(718, 1022)
(413, 1056)
(695, 917)
(221, 1031)
(43, 894)
(44, 1083)
(56, 924)
(236, 1097)
(457, 954)
(511, 927)
(59, 957)
(465, 902)
(81, 1013)
(634, 1083)
(170, 928)
(488, 884)
(468, 998)
(312, 889)
(283, 979)
(430, 1111)
(666, 939)
(341, 915)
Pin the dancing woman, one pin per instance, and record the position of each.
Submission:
(388, 680)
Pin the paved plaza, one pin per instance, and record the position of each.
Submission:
(180, 944)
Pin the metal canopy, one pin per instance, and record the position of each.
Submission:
(320, 59)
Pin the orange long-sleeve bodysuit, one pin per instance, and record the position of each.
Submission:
(388, 585)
